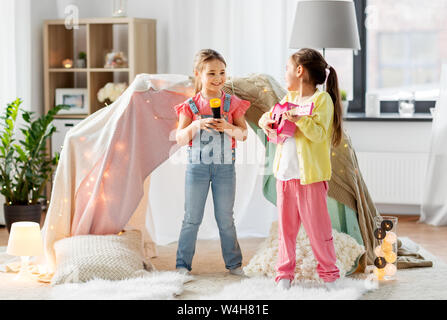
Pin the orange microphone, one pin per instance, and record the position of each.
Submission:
(215, 107)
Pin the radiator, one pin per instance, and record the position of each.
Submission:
(394, 178)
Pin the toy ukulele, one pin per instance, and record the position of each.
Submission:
(284, 128)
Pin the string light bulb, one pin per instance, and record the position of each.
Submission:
(380, 262)
(387, 247)
(380, 233)
(390, 237)
(390, 257)
(390, 269)
(379, 252)
(379, 273)
(387, 225)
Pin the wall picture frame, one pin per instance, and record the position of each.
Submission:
(75, 98)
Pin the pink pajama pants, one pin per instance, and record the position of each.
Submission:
(305, 204)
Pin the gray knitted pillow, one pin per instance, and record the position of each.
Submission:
(88, 257)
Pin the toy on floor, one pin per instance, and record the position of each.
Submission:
(285, 128)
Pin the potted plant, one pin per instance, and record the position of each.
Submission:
(25, 167)
(344, 101)
(81, 62)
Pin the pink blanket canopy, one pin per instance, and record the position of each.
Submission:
(99, 183)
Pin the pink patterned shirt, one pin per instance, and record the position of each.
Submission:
(238, 107)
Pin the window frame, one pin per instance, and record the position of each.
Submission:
(357, 105)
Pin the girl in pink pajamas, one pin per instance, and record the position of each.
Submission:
(302, 164)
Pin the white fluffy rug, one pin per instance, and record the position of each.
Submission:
(418, 283)
(265, 288)
(263, 263)
(149, 286)
(152, 286)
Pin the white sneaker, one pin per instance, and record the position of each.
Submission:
(284, 284)
(237, 272)
(183, 271)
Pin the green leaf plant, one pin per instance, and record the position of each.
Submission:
(25, 165)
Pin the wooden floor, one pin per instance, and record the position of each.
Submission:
(208, 258)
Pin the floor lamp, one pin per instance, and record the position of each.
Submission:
(325, 24)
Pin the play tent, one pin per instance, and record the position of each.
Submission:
(114, 174)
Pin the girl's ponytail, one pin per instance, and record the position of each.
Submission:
(334, 92)
(317, 67)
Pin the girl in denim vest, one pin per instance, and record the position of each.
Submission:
(211, 142)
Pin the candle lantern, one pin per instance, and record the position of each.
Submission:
(67, 63)
(386, 251)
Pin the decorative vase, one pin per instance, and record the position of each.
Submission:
(19, 213)
(345, 105)
(385, 263)
(406, 104)
(372, 107)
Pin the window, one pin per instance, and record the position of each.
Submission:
(404, 43)
(404, 49)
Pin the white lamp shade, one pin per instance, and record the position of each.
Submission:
(325, 24)
(25, 239)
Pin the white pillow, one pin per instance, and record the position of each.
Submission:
(88, 257)
(263, 263)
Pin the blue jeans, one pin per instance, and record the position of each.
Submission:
(223, 185)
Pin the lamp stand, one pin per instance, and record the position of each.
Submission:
(24, 273)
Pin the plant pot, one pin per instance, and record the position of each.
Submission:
(80, 63)
(18, 213)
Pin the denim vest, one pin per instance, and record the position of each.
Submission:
(211, 147)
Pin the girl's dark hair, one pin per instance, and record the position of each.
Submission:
(316, 65)
(200, 59)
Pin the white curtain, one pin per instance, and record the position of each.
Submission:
(15, 59)
(252, 35)
(7, 53)
(7, 63)
(434, 202)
